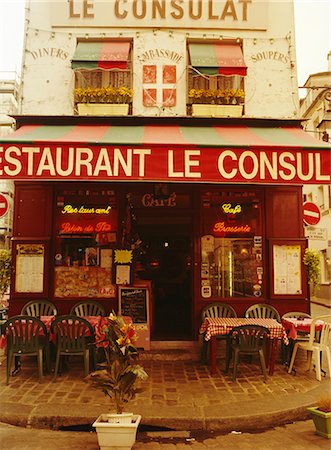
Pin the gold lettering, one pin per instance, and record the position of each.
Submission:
(118, 14)
(86, 7)
(177, 5)
(158, 8)
(135, 8)
(210, 10)
(149, 201)
(229, 10)
(244, 12)
(72, 14)
(191, 12)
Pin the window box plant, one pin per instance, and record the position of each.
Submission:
(117, 379)
(103, 101)
(217, 102)
(321, 415)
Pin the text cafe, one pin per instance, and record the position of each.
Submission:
(196, 210)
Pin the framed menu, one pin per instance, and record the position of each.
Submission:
(29, 274)
(286, 264)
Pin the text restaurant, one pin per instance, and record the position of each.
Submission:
(195, 209)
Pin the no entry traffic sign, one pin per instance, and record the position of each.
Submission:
(3, 205)
(311, 213)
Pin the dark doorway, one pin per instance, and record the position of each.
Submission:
(166, 261)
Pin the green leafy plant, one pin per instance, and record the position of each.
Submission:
(312, 262)
(120, 371)
(5, 271)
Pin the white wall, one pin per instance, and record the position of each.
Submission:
(270, 85)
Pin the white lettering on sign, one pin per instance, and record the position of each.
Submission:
(292, 165)
(160, 163)
(185, 165)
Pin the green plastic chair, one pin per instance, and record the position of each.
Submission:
(213, 310)
(247, 340)
(88, 308)
(26, 336)
(262, 311)
(74, 336)
(38, 308)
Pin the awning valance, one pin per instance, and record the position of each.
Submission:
(203, 136)
(165, 152)
(218, 59)
(103, 55)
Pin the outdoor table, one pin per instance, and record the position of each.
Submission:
(293, 325)
(223, 325)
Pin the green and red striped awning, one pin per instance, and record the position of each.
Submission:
(103, 55)
(243, 136)
(218, 59)
(163, 152)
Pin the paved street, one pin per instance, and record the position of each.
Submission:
(174, 387)
(297, 436)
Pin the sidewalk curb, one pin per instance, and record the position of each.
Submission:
(224, 418)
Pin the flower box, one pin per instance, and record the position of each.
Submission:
(322, 421)
(103, 109)
(116, 435)
(199, 110)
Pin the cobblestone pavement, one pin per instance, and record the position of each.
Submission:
(297, 436)
(180, 394)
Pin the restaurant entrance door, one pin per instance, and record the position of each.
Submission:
(167, 263)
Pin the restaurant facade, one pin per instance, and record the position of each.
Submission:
(192, 193)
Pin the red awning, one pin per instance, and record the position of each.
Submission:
(103, 55)
(218, 59)
(188, 152)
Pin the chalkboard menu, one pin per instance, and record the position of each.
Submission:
(134, 303)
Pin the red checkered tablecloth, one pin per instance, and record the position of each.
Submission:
(223, 325)
(293, 325)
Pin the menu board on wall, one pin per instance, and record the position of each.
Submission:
(134, 302)
(29, 268)
(287, 269)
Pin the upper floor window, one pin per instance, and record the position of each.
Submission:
(103, 72)
(216, 74)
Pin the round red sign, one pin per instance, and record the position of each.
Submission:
(3, 205)
(311, 213)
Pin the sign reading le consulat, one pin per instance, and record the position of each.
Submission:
(227, 14)
(122, 163)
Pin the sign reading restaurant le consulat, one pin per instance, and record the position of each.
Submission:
(54, 161)
(226, 14)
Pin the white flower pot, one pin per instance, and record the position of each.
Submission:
(116, 435)
(103, 109)
(199, 110)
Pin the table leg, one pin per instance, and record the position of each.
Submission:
(273, 356)
(213, 354)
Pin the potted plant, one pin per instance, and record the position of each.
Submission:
(5, 274)
(117, 379)
(105, 100)
(312, 262)
(321, 415)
